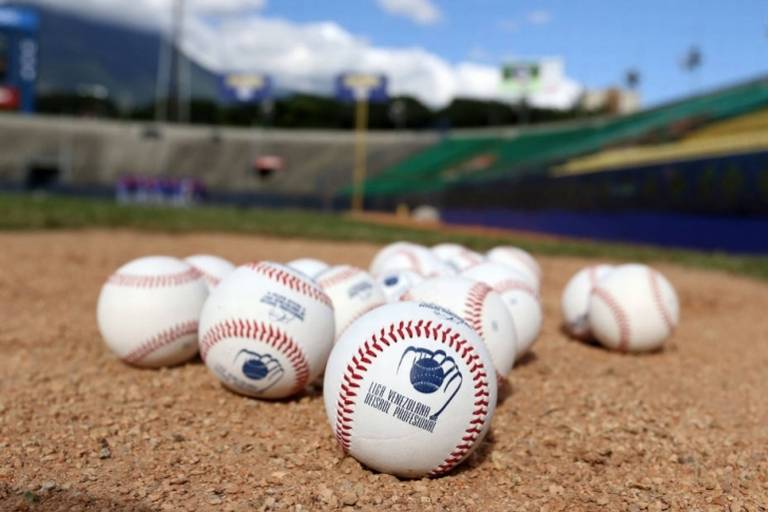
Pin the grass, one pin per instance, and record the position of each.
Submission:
(24, 212)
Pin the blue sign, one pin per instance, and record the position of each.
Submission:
(18, 58)
(19, 19)
(246, 87)
(362, 87)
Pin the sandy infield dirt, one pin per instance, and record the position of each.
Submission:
(579, 428)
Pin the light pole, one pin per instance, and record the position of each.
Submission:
(691, 63)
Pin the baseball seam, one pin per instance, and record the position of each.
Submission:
(509, 285)
(525, 259)
(592, 275)
(213, 281)
(264, 333)
(355, 371)
(160, 340)
(473, 307)
(619, 315)
(342, 276)
(156, 281)
(296, 284)
(656, 292)
(470, 258)
(412, 259)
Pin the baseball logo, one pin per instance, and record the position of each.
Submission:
(260, 368)
(430, 370)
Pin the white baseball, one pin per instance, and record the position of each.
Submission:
(518, 259)
(457, 256)
(383, 253)
(212, 267)
(410, 390)
(478, 305)
(266, 330)
(415, 258)
(396, 282)
(309, 266)
(352, 291)
(518, 294)
(148, 311)
(575, 301)
(633, 309)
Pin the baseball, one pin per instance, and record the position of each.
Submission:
(352, 291)
(457, 256)
(148, 311)
(634, 309)
(385, 252)
(479, 306)
(518, 259)
(410, 390)
(309, 266)
(396, 282)
(575, 301)
(407, 256)
(519, 296)
(212, 267)
(266, 330)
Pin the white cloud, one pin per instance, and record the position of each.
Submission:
(226, 6)
(539, 17)
(423, 12)
(307, 56)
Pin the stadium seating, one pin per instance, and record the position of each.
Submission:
(537, 150)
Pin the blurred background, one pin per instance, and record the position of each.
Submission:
(644, 122)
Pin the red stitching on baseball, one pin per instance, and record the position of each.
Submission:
(513, 284)
(412, 259)
(653, 278)
(263, 332)
(473, 307)
(525, 259)
(622, 320)
(213, 281)
(592, 275)
(297, 284)
(342, 276)
(470, 257)
(391, 335)
(161, 340)
(158, 281)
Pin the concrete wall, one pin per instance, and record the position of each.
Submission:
(96, 152)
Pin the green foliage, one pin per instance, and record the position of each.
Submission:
(22, 212)
(308, 111)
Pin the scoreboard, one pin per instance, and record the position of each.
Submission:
(18, 58)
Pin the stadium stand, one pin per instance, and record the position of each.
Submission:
(535, 151)
(82, 154)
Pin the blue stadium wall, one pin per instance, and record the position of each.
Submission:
(717, 203)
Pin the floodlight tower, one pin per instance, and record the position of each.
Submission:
(176, 69)
(691, 64)
(169, 68)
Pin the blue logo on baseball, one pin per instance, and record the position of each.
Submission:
(262, 368)
(432, 371)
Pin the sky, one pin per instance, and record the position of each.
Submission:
(441, 49)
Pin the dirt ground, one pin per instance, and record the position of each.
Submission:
(579, 428)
